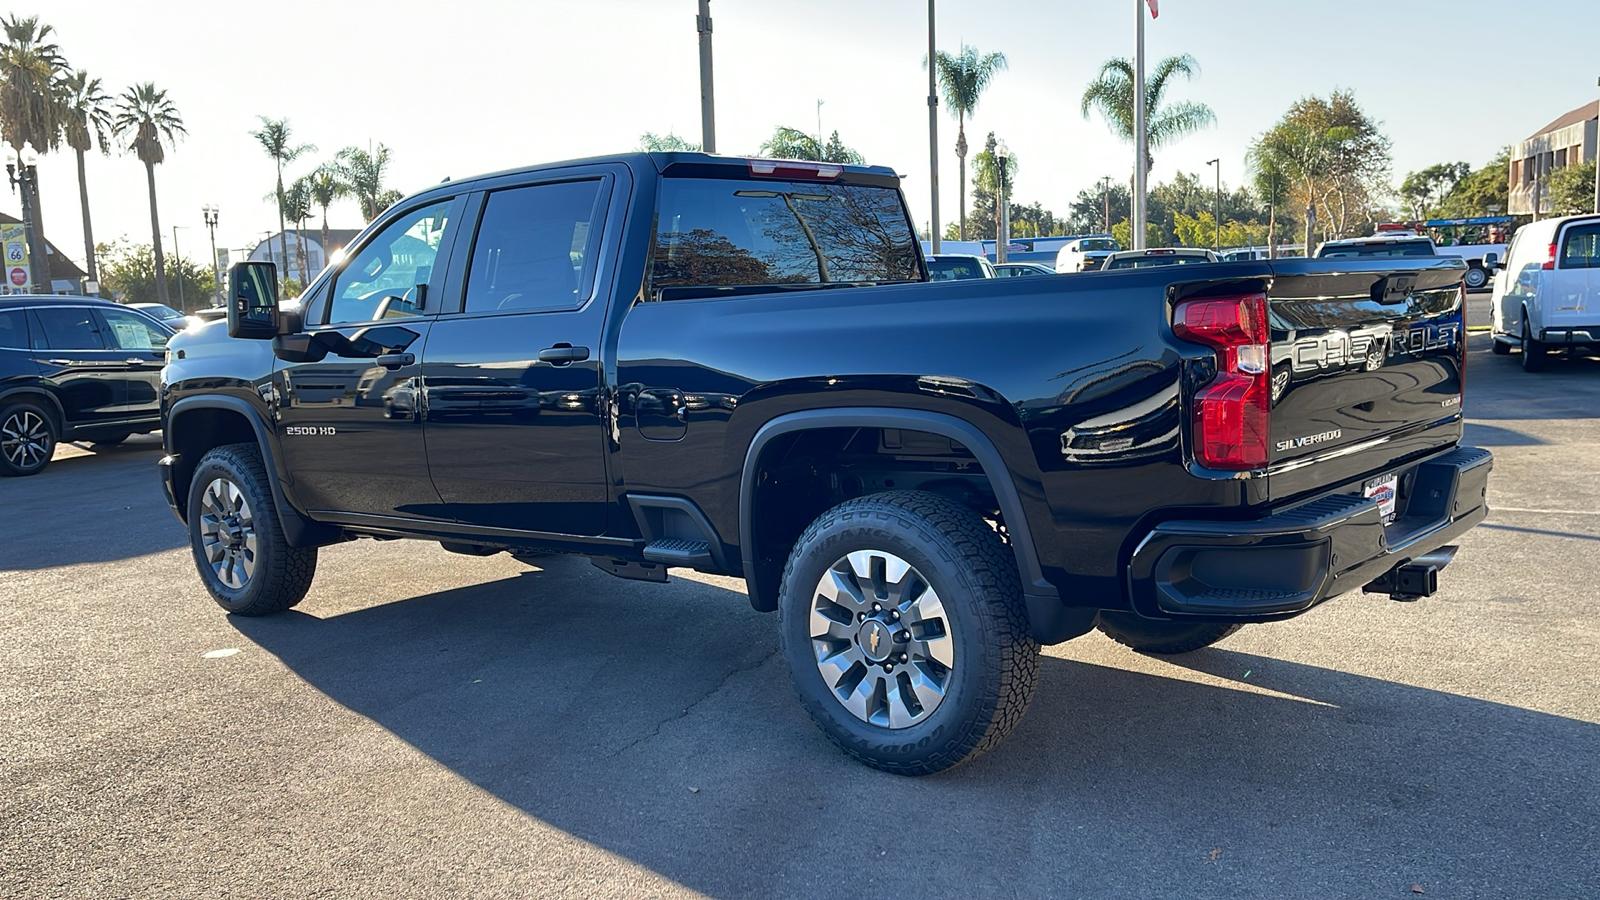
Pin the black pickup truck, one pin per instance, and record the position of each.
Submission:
(738, 366)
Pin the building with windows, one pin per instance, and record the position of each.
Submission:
(1569, 140)
(317, 256)
(65, 276)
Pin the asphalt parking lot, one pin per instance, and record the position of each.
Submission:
(431, 725)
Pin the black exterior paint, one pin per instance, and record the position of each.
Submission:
(1076, 384)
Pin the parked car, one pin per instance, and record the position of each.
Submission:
(74, 369)
(958, 267)
(162, 313)
(746, 376)
(1159, 256)
(1013, 270)
(1547, 290)
(1378, 245)
(1085, 254)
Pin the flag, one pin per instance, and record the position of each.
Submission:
(1153, 12)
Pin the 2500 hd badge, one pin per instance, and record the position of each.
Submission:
(1308, 440)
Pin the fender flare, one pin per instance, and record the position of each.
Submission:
(1052, 621)
(50, 401)
(298, 530)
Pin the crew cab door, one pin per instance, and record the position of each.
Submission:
(511, 386)
(142, 346)
(72, 350)
(347, 450)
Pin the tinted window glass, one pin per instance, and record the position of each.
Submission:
(14, 329)
(954, 269)
(1580, 249)
(532, 247)
(1397, 248)
(1100, 244)
(131, 331)
(1145, 262)
(68, 328)
(733, 232)
(380, 282)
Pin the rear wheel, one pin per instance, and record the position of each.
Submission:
(902, 621)
(236, 538)
(27, 439)
(1499, 347)
(1162, 638)
(1533, 352)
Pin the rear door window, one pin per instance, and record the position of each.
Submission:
(14, 330)
(67, 328)
(1580, 247)
(535, 247)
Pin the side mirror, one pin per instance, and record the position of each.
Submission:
(1491, 261)
(253, 301)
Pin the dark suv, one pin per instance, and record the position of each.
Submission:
(74, 368)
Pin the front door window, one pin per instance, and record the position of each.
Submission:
(388, 278)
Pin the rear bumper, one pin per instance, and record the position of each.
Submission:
(1584, 334)
(1285, 563)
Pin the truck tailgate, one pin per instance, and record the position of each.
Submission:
(1367, 367)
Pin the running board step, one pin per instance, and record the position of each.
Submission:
(678, 552)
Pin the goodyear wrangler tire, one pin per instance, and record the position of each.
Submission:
(903, 625)
(236, 538)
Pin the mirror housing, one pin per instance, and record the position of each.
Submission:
(253, 301)
(1491, 260)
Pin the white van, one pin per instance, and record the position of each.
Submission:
(1085, 254)
(1546, 288)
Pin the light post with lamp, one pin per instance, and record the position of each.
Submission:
(1003, 158)
(22, 171)
(211, 214)
(1217, 242)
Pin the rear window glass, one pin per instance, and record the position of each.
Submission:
(1581, 247)
(1096, 245)
(954, 269)
(750, 232)
(1383, 248)
(1146, 262)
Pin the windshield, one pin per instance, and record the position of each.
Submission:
(954, 269)
(751, 232)
(1097, 244)
(1378, 248)
(1145, 262)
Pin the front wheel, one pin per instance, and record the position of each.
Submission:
(1475, 278)
(27, 439)
(902, 621)
(1162, 638)
(236, 539)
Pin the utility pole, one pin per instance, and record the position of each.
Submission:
(211, 214)
(1003, 157)
(1141, 138)
(933, 137)
(1596, 156)
(708, 116)
(177, 265)
(820, 142)
(1217, 243)
(1105, 186)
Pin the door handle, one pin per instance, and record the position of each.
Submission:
(134, 361)
(392, 361)
(561, 354)
(59, 362)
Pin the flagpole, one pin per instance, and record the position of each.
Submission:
(1141, 139)
(933, 139)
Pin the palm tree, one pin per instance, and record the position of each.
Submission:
(149, 123)
(275, 135)
(963, 79)
(665, 143)
(792, 143)
(1112, 94)
(30, 110)
(325, 187)
(363, 173)
(297, 206)
(87, 114)
(1303, 154)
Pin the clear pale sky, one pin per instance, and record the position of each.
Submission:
(471, 86)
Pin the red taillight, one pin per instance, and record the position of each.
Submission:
(1550, 258)
(789, 168)
(1232, 414)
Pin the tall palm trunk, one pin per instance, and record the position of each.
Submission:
(283, 231)
(325, 249)
(300, 248)
(88, 231)
(155, 237)
(961, 163)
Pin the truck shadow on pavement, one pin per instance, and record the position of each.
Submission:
(657, 723)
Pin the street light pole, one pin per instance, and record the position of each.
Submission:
(1141, 137)
(1003, 157)
(177, 264)
(25, 175)
(1218, 214)
(933, 137)
(211, 214)
(708, 118)
(1105, 184)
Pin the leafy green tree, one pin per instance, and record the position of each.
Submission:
(297, 207)
(148, 122)
(86, 114)
(1422, 190)
(1269, 183)
(1112, 94)
(792, 143)
(277, 139)
(984, 222)
(1088, 215)
(963, 78)
(1485, 191)
(1572, 189)
(363, 174)
(129, 274)
(1123, 233)
(665, 143)
(1334, 156)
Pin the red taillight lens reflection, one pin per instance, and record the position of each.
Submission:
(1550, 258)
(1232, 414)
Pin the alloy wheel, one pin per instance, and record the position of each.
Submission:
(881, 638)
(228, 533)
(25, 439)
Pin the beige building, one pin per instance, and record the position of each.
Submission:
(1569, 140)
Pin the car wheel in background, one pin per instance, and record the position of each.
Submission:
(27, 439)
(1533, 352)
(236, 538)
(1499, 347)
(1475, 278)
(902, 621)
